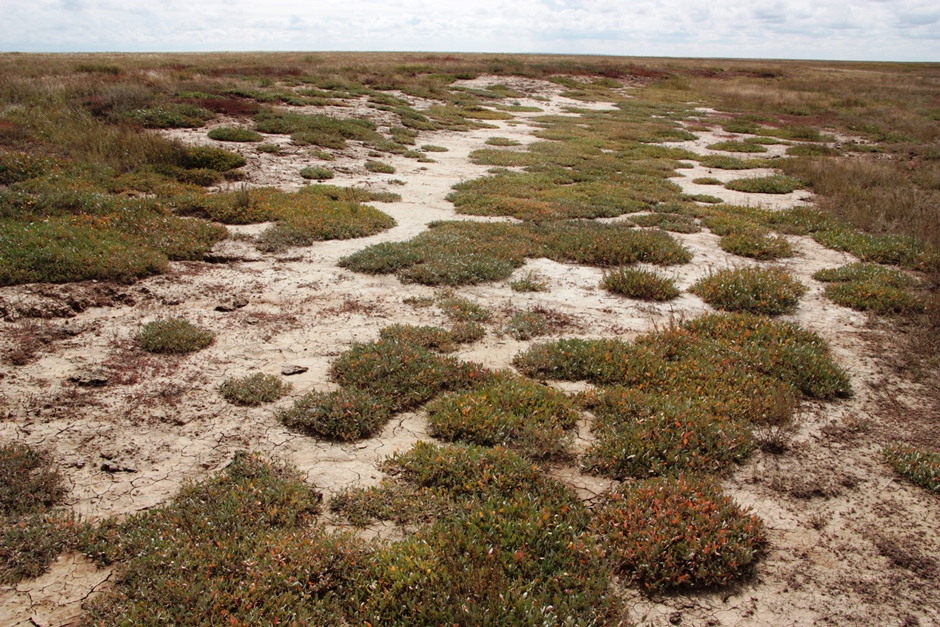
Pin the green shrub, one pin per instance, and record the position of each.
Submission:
(379, 167)
(345, 415)
(525, 325)
(811, 150)
(174, 336)
(502, 141)
(774, 184)
(235, 134)
(316, 173)
(706, 180)
(896, 250)
(253, 389)
(725, 162)
(767, 291)
(678, 533)
(641, 284)
(705, 198)
(920, 467)
(403, 376)
(269, 147)
(172, 115)
(237, 547)
(640, 436)
(432, 338)
(756, 244)
(212, 158)
(870, 287)
(675, 222)
(433, 148)
(32, 533)
(463, 310)
(528, 417)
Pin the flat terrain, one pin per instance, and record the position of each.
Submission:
(849, 540)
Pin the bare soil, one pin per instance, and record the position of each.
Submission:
(851, 542)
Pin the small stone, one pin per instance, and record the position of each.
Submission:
(289, 369)
(675, 618)
(231, 304)
(92, 378)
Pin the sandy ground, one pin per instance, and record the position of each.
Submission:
(851, 543)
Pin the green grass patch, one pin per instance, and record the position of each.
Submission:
(235, 134)
(171, 115)
(667, 534)
(253, 389)
(379, 167)
(525, 325)
(812, 150)
(433, 148)
(726, 162)
(898, 250)
(705, 198)
(433, 338)
(316, 173)
(774, 184)
(765, 291)
(515, 412)
(531, 282)
(674, 222)
(919, 466)
(640, 284)
(173, 336)
(345, 415)
(870, 287)
(269, 147)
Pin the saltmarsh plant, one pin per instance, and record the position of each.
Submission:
(253, 389)
(640, 283)
(919, 466)
(379, 167)
(899, 250)
(344, 415)
(870, 287)
(756, 243)
(173, 336)
(32, 532)
(235, 134)
(773, 184)
(237, 547)
(531, 418)
(433, 148)
(502, 141)
(171, 115)
(675, 222)
(767, 291)
(706, 180)
(675, 533)
(433, 338)
(530, 282)
(726, 162)
(316, 173)
(525, 325)
(737, 146)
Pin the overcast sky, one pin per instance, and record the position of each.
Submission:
(889, 30)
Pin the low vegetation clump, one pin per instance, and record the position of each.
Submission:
(640, 284)
(433, 338)
(525, 325)
(238, 547)
(512, 540)
(316, 173)
(33, 532)
(501, 141)
(235, 134)
(467, 253)
(706, 180)
(674, 222)
(737, 146)
(766, 291)
(379, 167)
(531, 282)
(515, 412)
(898, 250)
(676, 533)
(345, 415)
(171, 115)
(401, 375)
(253, 389)
(812, 150)
(460, 309)
(173, 336)
(726, 162)
(774, 184)
(433, 148)
(919, 466)
(870, 287)
(756, 244)
(708, 199)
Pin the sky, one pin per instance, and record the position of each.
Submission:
(868, 30)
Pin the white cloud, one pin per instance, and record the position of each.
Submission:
(900, 30)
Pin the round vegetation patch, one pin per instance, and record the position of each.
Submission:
(512, 411)
(253, 389)
(679, 533)
(379, 167)
(344, 415)
(316, 173)
(774, 184)
(756, 244)
(174, 336)
(767, 291)
(640, 284)
(234, 134)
